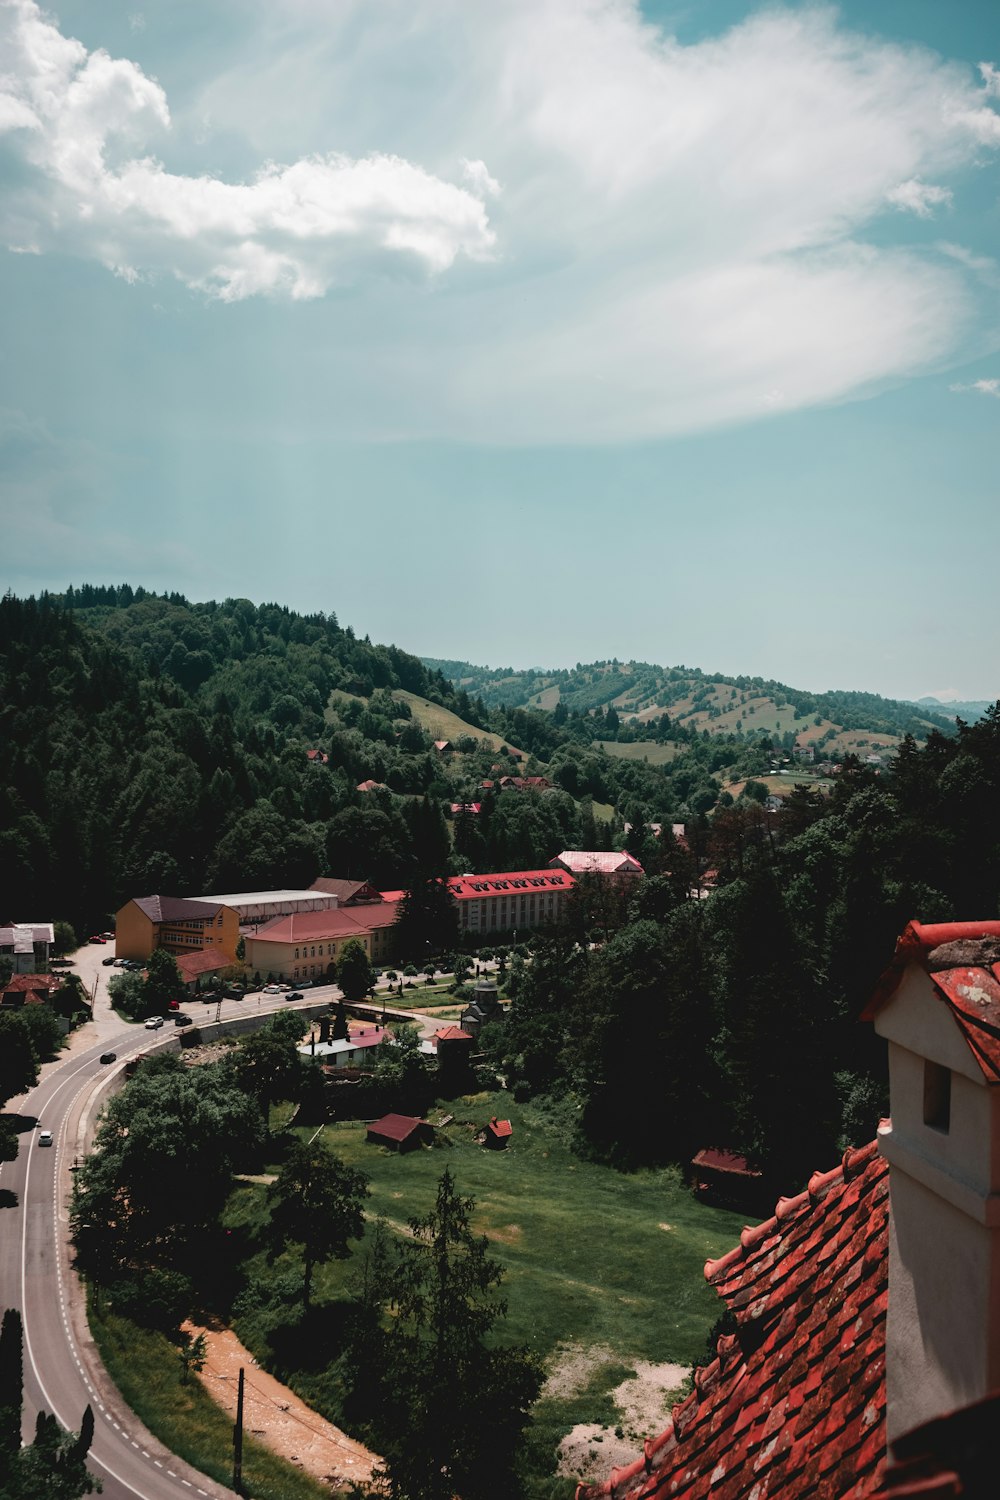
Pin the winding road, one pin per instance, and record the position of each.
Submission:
(62, 1373)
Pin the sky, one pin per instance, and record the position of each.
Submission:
(521, 331)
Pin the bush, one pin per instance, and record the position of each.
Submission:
(410, 971)
(159, 1299)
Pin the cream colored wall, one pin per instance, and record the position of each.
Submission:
(943, 1327)
(279, 958)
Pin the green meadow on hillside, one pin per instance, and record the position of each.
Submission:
(594, 1260)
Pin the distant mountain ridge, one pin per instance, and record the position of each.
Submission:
(970, 710)
(641, 691)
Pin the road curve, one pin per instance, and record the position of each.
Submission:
(61, 1371)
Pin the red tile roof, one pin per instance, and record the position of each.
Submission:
(396, 1127)
(335, 922)
(716, 1160)
(948, 1456)
(452, 1034)
(206, 961)
(22, 982)
(346, 891)
(794, 1403)
(476, 887)
(963, 961)
(500, 1128)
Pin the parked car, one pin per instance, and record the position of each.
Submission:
(60, 963)
(175, 1005)
(272, 989)
(121, 963)
(294, 995)
(109, 1057)
(154, 1023)
(107, 962)
(96, 938)
(181, 1020)
(108, 936)
(45, 1138)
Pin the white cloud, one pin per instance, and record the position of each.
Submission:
(680, 240)
(991, 78)
(920, 198)
(88, 120)
(989, 387)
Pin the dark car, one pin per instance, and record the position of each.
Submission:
(109, 1057)
(180, 1020)
(293, 995)
(107, 962)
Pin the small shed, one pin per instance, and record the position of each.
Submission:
(721, 1176)
(400, 1132)
(498, 1133)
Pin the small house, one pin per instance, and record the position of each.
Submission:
(498, 1133)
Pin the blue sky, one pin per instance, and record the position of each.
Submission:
(528, 332)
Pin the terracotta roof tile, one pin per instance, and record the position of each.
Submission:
(794, 1402)
(963, 961)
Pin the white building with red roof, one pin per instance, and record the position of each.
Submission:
(517, 900)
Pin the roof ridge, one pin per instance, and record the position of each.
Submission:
(853, 1162)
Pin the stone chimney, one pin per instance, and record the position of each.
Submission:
(939, 1009)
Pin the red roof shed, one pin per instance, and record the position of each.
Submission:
(399, 1132)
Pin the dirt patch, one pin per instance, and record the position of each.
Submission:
(589, 1450)
(276, 1417)
(507, 1234)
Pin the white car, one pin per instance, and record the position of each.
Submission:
(45, 1138)
(154, 1023)
(274, 989)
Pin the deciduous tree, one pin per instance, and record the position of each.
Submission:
(316, 1202)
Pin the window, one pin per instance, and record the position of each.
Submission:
(937, 1096)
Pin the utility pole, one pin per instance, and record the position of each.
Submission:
(238, 1440)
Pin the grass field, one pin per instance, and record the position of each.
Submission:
(443, 724)
(145, 1368)
(648, 750)
(438, 721)
(595, 1261)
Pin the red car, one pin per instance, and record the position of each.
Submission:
(96, 938)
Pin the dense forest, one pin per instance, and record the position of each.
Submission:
(149, 744)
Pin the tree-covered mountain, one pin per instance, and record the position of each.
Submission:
(153, 744)
(638, 692)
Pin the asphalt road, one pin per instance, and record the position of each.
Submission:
(61, 1372)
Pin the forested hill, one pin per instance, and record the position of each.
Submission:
(151, 744)
(639, 692)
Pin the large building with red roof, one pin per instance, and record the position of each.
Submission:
(302, 945)
(518, 900)
(868, 1307)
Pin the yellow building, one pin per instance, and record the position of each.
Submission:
(302, 945)
(176, 924)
